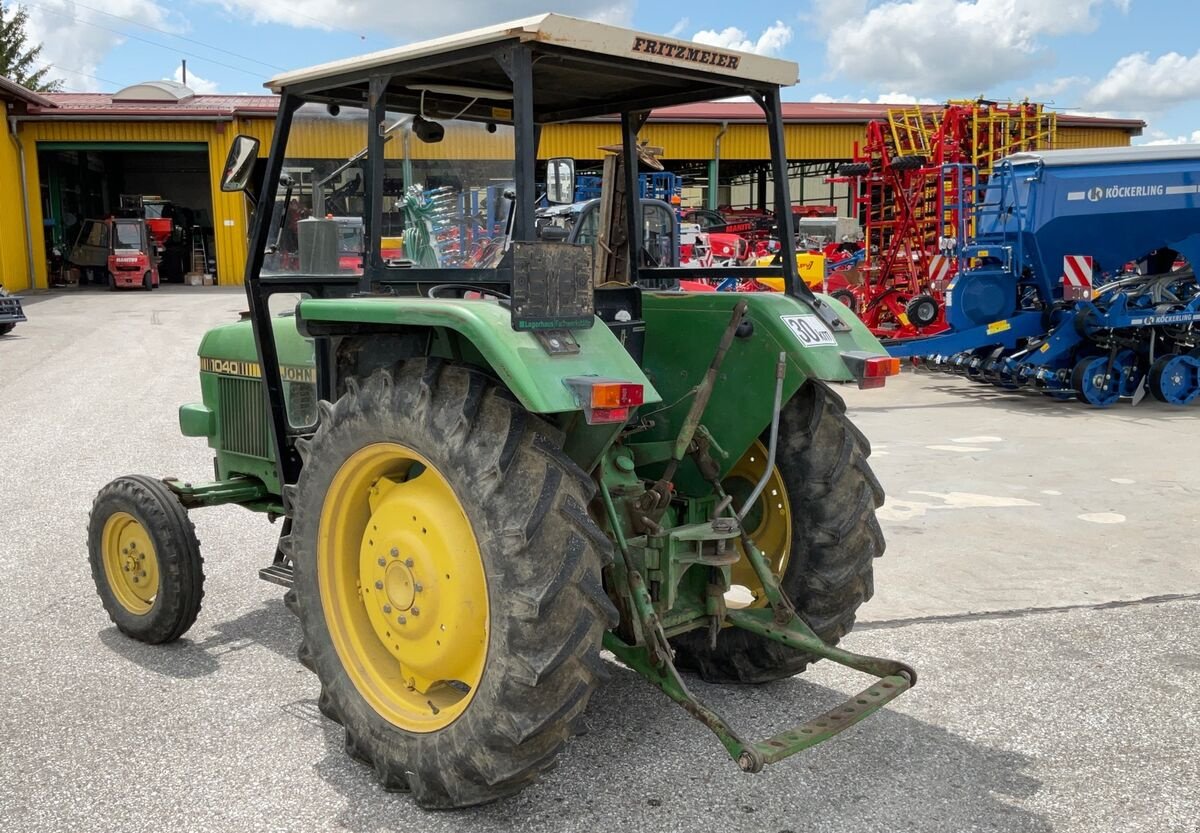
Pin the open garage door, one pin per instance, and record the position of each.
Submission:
(166, 184)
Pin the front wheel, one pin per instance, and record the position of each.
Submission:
(145, 559)
(447, 579)
(816, 524)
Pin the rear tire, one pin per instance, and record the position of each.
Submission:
(145, 559)
(5, 329)
(542, 556)
(833, 495)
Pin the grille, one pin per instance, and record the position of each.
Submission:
(242, 416)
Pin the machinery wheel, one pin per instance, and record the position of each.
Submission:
(448, 582)
(846, 297)
(112, 282)
(146, 285)
(816, 523)
(5, 329)
(922, 310)
(1175, 379)
(854, 169)
(908, 163)
(145, 559)
(1098, 385)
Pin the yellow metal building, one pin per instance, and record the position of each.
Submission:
(166, 118)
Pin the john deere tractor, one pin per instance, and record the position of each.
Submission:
(494, 453)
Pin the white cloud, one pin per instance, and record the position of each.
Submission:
(198, 85)
(1158, 137)
(770, 42)
(75, 40)
(1137, 83)
(883, 98)
(951, 45)
(901, 98)
(679, 28)
(409, 22)
(1043, 90)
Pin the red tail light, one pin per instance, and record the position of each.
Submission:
(870, 370)
(605, 400)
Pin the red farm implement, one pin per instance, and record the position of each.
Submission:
(915, 179)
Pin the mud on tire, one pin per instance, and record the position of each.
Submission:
(822, 458)
(542, 557)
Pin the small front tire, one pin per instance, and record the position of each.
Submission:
(145, 559)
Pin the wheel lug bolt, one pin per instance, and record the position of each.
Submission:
(408, 562)
(379, 585)
(387, 608)
(127, 568)
(125, 551)
(381, 562)
(395, 553)
(416, 611)
(417, 588)
(401, 620)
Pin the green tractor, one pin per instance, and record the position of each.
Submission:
(495, 453)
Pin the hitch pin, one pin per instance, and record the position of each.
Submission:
(780, 371)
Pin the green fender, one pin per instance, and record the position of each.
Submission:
(682, 332)
(534, 375)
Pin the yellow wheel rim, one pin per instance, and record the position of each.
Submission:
(402, 586)
(769, 520)
(130, 562)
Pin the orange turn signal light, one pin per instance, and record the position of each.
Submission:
(605, 400)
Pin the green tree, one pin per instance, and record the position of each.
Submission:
(18, 58)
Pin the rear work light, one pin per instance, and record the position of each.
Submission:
(605, 400)
(871, 370)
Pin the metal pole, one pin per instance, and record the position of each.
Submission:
(373, 181)
(526, 137)
(773, 110)
(287, 460)
(633, 201)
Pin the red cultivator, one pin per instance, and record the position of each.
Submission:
(916, 178)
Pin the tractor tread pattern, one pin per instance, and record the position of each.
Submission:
(543, 559)
(822, 458)
(180, 565)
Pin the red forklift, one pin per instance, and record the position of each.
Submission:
(117, 249)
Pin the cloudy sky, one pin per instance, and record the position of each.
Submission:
(1138, 58)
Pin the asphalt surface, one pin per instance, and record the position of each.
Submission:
(1041, 575)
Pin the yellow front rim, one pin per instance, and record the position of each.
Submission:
(402, 587)
(130, 562)
(769, 520)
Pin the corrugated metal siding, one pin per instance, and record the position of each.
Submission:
(13, 262)
(1091, 137)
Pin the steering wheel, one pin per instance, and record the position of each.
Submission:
(463, 290)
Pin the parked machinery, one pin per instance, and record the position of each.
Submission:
(916, 178)
(1028, 311)
(11, 313)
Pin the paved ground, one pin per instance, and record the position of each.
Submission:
(1014, 525)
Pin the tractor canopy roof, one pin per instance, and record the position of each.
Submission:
(580, 69)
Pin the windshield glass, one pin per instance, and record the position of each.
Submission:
(447, 190)
(128, 235)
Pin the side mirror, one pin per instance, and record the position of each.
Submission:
(560, 180)
(239, 165)
(428, 131)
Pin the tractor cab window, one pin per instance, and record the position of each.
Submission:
(95, 233)
(446, 197)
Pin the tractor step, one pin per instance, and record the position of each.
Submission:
(892, 679)
(277, 573)
(832, 722)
